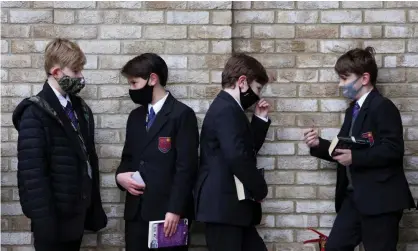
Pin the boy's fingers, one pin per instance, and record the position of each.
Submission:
(265, 104)
(133, 191)
(310, 136)
(166, 225)
(169, 228)
(136, 185)
(174, 229)
(310, 142)
(306, 131)
(342, 151)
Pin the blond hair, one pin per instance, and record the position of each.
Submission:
(64, 53)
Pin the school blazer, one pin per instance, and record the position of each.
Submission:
(166, 156)
(229, 146)
(377, 172)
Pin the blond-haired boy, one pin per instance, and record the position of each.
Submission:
(58, 175)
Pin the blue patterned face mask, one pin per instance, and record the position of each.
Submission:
(349, 91)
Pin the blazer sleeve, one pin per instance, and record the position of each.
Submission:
(33, 176)
(126, 159)
(321, 151)
(390, 149)
(259, 128)
(231, 134)
(186, 145)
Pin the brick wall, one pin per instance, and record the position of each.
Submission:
(299, 41)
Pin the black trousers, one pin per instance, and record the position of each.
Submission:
(233, 238)
(136, 236)
(61, 246)
(377, 232)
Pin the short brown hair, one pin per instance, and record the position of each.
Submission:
(241, 64)
(358, 61)
(64, 53)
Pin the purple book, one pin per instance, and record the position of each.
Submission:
(157, 239)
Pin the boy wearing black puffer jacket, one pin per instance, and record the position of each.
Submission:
(58, 175)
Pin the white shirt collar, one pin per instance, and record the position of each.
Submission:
(63, 100)
(361, 100)
(157, 106)
(239, 103)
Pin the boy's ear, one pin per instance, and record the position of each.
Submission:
(241, 81)
(366, 78)
(153, 79)
(55, 71)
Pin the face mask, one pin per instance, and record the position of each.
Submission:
(142, 96)
(71, 85)
(349, 91)
(248, 98)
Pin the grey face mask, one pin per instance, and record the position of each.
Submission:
(71, 85)
(349, 91)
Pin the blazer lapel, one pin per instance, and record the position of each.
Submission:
(53, 101)
(358, 124)
(345, 129)
(140, 126)
(160, 120)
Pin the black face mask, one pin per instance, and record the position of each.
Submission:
(248, 98)
(142, 96)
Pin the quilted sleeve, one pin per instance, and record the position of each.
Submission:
(34, 176)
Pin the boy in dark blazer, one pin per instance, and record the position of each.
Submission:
(228, 146)
(162, 144)
(372, 190)
(58, 172)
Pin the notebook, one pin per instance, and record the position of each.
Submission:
(347, 143)
(138, 178)
(243, 193)
(157, 239)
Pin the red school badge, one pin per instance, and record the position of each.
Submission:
(164, 144)
(369, 136)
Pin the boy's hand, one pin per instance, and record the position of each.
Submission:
(125, 180)
(311, 137)
(344, 157)
(272, 75)
(170, 224)
(262, 108)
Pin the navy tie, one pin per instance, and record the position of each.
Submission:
(151, 118)
(70, 113)
(356, 110)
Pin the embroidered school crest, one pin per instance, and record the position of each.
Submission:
(369, 136)
(164, 144)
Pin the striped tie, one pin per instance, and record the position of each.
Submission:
(356, 110)
(151, 118)
(70, 113)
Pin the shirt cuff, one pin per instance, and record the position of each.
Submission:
(264, 119)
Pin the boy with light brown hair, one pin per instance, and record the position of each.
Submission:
(58, 174)
(371, 190)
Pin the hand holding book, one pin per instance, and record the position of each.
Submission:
(158, 239)
(127, 181)
(170, 224)
(341, 147)
(343, 156)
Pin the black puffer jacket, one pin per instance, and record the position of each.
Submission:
(55, 190)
